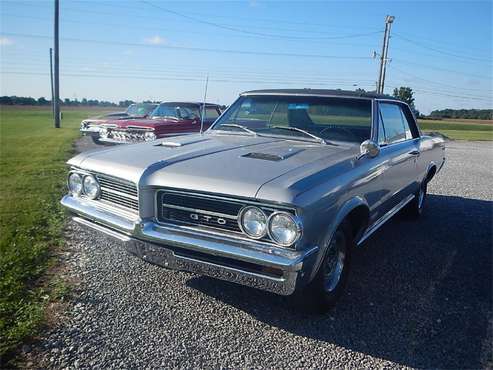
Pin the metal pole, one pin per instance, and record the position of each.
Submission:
(383, 56)
(51, 84)
(56, 71)
(203, 106)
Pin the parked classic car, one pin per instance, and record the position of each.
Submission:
(168, 119)
(274, 195)
(92, 126)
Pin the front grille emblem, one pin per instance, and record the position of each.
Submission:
(207, 218)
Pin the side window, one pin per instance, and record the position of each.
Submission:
(211, 113)
(393, 122)
(381, 131)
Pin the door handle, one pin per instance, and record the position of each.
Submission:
(414, 152)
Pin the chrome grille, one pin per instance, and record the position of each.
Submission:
(201, 210)
(118, 192)
(124, 135)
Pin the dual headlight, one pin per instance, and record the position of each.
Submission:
(150, 136)
(281, 227)
(79, 184)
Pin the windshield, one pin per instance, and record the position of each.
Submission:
(178, 111)
(301, 117)
(140, 109)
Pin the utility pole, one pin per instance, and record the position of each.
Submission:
(56, 98)
(385, 49)
(51, 84)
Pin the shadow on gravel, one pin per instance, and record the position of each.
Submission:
(420, 293)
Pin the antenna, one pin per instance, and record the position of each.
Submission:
(203, 106)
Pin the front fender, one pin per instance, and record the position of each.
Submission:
(341, 214)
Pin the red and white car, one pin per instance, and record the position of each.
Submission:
(168, 119)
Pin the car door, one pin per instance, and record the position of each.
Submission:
(399, 145)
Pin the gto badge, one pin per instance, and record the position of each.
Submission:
(206, 218)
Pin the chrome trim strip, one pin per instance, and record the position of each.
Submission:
(382, 220)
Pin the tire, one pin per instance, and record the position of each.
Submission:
(322, 293)
(95, 139)
(415, 208)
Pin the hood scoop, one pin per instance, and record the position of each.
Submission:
(177, 144)
(274, 155)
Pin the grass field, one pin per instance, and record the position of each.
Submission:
(460, 129)
(32, 178)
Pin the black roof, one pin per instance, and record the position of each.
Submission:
(190, 103)
(320, 92)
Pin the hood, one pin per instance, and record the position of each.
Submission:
(227, 164)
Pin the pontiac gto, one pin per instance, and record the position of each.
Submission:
(275, 195)
(168, 119)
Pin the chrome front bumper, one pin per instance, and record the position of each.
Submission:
(90, 130)
(270, 268)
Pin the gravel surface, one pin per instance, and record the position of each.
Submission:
(420, 295)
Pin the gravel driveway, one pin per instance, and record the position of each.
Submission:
(420, 295)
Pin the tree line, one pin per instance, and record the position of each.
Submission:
(463, 113)
(23, 100)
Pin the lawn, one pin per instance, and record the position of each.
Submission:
(32, 178)
(460, 129)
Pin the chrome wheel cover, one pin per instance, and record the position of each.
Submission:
(334, 262)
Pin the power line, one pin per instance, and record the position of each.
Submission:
(139, 77)
(434, 82)
(249, 19)
(183, 30)
(401, 61)
(195, 49)
(235, 29)
(461, 56)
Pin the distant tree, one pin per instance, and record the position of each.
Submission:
(6, 100)
(360, 90)
(463, 113)
(125, 103)
(405, 94)
(43, 101)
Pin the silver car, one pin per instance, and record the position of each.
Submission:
(275, 195)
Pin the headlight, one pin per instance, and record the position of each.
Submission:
(150, 136)
(253, 222)
(283, 228)
(75, 184)
(103, 132)
(91, 187)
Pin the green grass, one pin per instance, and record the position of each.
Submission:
(32, 178)
(460, 129)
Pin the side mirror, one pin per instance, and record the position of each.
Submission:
(369, 148)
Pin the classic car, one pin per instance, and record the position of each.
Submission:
(168, 119)
(92, 126)
(275, 195)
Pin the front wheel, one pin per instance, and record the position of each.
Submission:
(324, 290)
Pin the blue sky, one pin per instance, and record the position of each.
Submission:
(164, 50)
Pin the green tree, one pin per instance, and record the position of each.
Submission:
(405, 94)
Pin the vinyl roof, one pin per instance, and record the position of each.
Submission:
(319, 92)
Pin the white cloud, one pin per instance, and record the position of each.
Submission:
(4, 41)
(156, 40)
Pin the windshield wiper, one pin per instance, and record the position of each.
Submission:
(318, 138)
(246, 129)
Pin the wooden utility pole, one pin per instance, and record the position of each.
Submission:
(385, 49)
(51, 84)
(56, 98)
